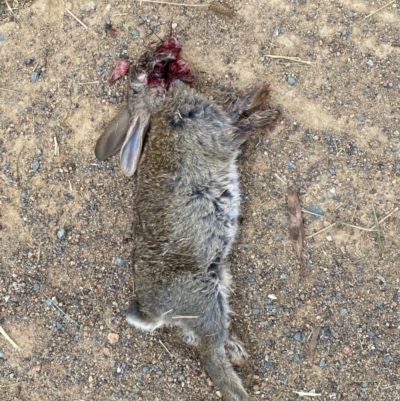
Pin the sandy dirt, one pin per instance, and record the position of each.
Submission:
(66, 219)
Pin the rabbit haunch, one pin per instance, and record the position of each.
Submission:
(187, 203)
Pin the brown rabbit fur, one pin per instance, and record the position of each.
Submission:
(187, 204)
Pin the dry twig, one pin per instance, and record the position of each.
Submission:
(12, 12)
(77, 19)
(379, 9)
(296, 228)
(166, 349)
(294, 59)
(11, 90)
(220, 8)
(9, 339)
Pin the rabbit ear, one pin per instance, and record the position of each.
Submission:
(132, 147)
(113, 137)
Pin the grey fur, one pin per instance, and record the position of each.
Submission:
(187, 204)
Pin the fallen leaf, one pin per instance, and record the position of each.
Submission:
(296, 228)
(313, 342)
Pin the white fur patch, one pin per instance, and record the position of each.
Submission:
(140, 324)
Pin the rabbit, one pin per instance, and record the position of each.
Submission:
(184, 148)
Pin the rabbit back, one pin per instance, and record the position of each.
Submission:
(188, 195)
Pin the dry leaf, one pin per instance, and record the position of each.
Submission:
(313, 342)
(221, 8)
(296, 228)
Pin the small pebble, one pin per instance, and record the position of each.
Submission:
(174, 25)
(315, 209)
(277, 32)
(370, 63)
(113, 338)
(350, 14)
(332, 171)
(329, 238)
(298, 336)
(49, 302)
(343, 311)
(36, 287)
(364, 384)
(35, 165)
(227, 60)
(344, 34)
(1, 355)
(58, 326)
(7, 298)
(291, 81)
(1, 37)
(145, 369)
(38, 152)
(290, 165)
(322, 363)
(35, 76)
(181, 378)
(370, 334)
(135, 32)
(255, 311)
(92, 5)
(119, 261)
(61, 233)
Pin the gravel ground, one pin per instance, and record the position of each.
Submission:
(66, 219)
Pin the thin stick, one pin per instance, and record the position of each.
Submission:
(166, 349)
(88, 83)
(184, 317)
(379, 9)
(12, 12)
(56, 148)
(9, 385)
(314, 214)
(69, 318)
(381, 221)
(358, 227)
(72, 15)
(173, 4)
(7, 337)
(295, 59)
(280, 179)
(321, 231)
(11, 90)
